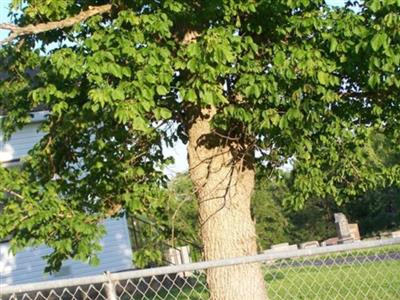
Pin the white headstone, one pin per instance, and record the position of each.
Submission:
(178, 256)
(342, 228)
(281, 248)
(395, 234)
(310, 244)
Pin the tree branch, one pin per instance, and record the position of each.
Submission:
(17, 31)
(12, 193)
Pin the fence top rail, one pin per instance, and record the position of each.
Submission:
(64, 283)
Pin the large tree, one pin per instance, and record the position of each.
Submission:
(243, 83)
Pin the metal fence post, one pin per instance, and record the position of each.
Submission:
(110, 287)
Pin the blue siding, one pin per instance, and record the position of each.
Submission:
(28, 265)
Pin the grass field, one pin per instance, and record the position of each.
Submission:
(357, 275)
(374, 280)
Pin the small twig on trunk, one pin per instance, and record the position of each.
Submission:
(16, 31)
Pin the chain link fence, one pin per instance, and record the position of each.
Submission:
(361, 270)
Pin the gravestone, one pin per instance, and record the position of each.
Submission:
(185, 254)
(179, 256)
(395, 234)
(310, 244)
(354, 231)
(173, 256)
(343, 229)
(281, 247)
(330, 242)
(185, 259)
(385, 235)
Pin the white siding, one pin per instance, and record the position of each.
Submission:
(28, 265)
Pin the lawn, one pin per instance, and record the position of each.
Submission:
(374, 280)
(356, 275)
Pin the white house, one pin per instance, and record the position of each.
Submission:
(28, 265)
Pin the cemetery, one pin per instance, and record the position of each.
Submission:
(346, 233)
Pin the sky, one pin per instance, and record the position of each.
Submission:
(3, 16)
(179, 151)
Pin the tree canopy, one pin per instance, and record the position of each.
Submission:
(249, 82)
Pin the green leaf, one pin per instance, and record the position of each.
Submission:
(253, 90)
(151, 78)
(191, 95)
(208, 97)
(162, 113)
(323, 78)
(279, 58)
(373, 80)
(161, 90)
(147, 105)
(375, 5)
(333, 44)
(256, 91)
(378, 41)
(192, 64)
(118, 94)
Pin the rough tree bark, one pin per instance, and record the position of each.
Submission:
(222, 172)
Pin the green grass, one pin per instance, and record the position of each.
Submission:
(349, 280)
(362, 252)
(193, 289)
(374, 280)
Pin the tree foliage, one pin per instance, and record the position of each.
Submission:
(277, 220)
(378, 210)
(268, 212)
(182, 212)
(293, 79)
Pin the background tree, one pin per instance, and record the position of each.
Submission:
(268, 212)
(374, 210)
(231, 78)
(183, 212)
(277, 221)
(314, 221)
(378, 209)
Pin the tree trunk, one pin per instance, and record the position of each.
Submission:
(222, 172)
